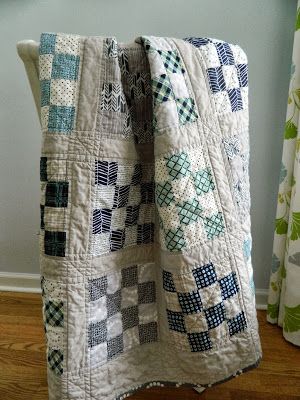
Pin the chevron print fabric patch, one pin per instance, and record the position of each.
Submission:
(112, 98)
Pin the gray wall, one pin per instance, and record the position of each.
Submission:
(263, 28)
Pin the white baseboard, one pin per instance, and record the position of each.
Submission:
(14, 282)
(17, 282)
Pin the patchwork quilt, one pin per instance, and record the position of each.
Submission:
(145, 242)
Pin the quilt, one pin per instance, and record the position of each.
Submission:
(145, 241)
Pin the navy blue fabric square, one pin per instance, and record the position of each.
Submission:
(148, 332)
(190, 302)
(225, 53)
(132, 215)
(147, 192)
(43, 169)
(168, 283)
(121, 196)
(113, 303)
(199, 341)
(55, 243)
(137, 175)
(129, 276)
(176, 321)
(235, 98)
(106, 173)
(242, 70)
(115, 346)
(229, 286)
(42, 215)
(237, 324)
(146, 292)
(198, 42)
(205, 275)
(216, 79)
(101, 220)
(97, 288)
(97, 333)
(117, 239)
(130, 317)
(145, 233)
(215, 315)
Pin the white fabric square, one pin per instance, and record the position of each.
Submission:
(197, 160)
(194, 232)
(125, 173)
(180, 341)
(223, 267)
(211, 295)
(208, 203)
(161, 171)
(185, 283)
(244, 95)
(67, 44)
(147, 313)
(45, 61)
(98, 354)
(169, 216)
(44, 117)
(222, 102)
(166, 114)
(210, 54)
(232, 306)
(114, 326)
(195, 323)
(179, 86)
(118, 218)
(104, 196)
(131, 337)
(172, 302)
(183, 189)
(129, 296)
(155, 60)
(62, 92)
(216, 334)
(98, 310)
(100, 243)
(230, 76)
(113, 282)
(146, 272)
(239, 55)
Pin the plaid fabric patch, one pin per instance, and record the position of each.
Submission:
(172, 61)
(57, 194)
(164, 194)
(237, 324)
(162, 89)
(214, 225)
(55, 361)
(203, 181)
(55, 243)
(54, 315)
(186, 110)
(178, 165)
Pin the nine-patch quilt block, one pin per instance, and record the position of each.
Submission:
(145, 241)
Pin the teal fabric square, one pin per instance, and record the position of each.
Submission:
(61, 119)
(175, 239)
(189, 211)
(203, 181)
(45, 92)
(65, 66)
(214, 225)
(47, 43)
(178, 165)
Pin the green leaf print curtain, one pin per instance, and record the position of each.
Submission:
(284, 291)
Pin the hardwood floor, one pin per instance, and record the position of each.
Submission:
(23, 363)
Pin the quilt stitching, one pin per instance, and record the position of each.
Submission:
(209, 312)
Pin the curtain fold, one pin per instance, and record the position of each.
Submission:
(284, 289)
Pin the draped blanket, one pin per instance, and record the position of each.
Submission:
(145, 243)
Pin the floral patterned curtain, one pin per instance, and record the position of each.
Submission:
(284, 291)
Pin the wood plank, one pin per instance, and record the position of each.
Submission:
(23, 373)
